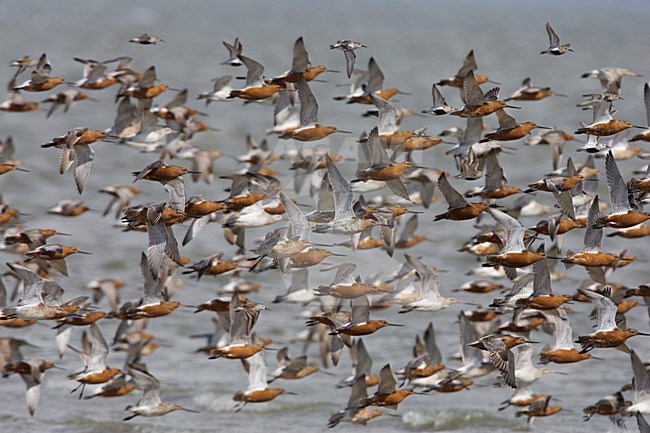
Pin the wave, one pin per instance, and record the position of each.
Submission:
(450, 420)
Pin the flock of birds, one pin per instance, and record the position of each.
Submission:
(339, 314)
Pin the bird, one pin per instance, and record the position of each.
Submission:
(150, 404)
(373, 85)
(292, 368)
(31, 372)
(611, 79)
(258, 390)
(67, 98)
(360, 322)
(469, 64)
(514, 253)
(525, 372)
(387, 394)
(153, 302)
(640, 386)
(429, 297)
(220, 90)
(591, 257)
(495, 179)
(94, 351)
(427, 359)
(459, 209)
(509, 129)
(607, 333)
(528, 92)
(621, 214)
(539, 408)
(348, 47)
(555, 48)
(603, 123)
(77, 153)
(234, 51)
(477, 103)
(501, 354)
(562, 351)
(361, 366)
(375, 165)
(121, 196)
(241, 344)
(346, 285)
(439, 106)
(41, 80)
(309, 129)
(345, 222)
(146, 88)
(169, 175)
(355, 412)
(301, 66)
(255, 89)
(613, 405)
(53, 255)
(147, 39)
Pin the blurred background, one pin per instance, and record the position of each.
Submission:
(415, 43)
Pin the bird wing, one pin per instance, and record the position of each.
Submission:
(503, 359)
(83, 161)
(387, 115)
(541, 277)
(299, 224)
(605, 310)
(553, 38)
(616, 185)
(469, 64)
(563, 331)
(506, 121)
(593, 233)
(299, 280)
(524, 356)
(359, 391)
(308, 104)
(473, 131)
(430, 344)
(387, 382)
(176, 190)
(514, 230)
(254, 71)
(341, 191)
(470, 355)
(438, 99)
(363, 364)
(350, 57)
(378, 154)
(427, 275)
(344, 274)
(494, 177)
(473, 93)
(98, 349)
(148, 77)
(453, 197)
(641, 382)
(149, 385)
(375, 76)
(360, 309)
(257, 372)
(32, 291)
(300, 57)
(398, 188)
(156, 248)
(409, 228)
